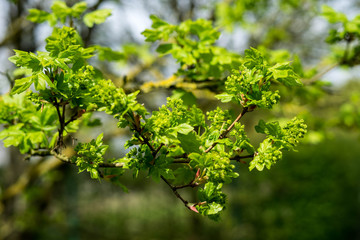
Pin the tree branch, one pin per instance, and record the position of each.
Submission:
(66, 159)
(73, 118)
(192, 184)
(181, 156)
(158, 149)
(239, 158)
(181, 161)
(176, 192)
(223, 135)
(8, 77)
(319, 75)
(154, 152)
(90, 32)
(60, 142)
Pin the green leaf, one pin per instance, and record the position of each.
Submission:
(44, 78)
(161, 30)
(78, 9)
(157, 22)
(26, 60)
(99, 139)
(60, 10)
(96, 17)
(39, 83)
(188, 98)
(280, 73)
(35, 137)
(253, 164)
(22, 85)
(197, 160)
(351, 27)
(189, 142)
(209, 189)
(37, 16)
(53, 140)
(184, 128)
(283, 73)
(150, 35)
(167, 173)
(183, 175)
(224, 97)
(154, 172)
(106, 53)
(214, 208)
(332, 16)
(260, 128)
(273, 128)
(94, 173)
(266, 156)
(165, 48)
(13, 135)
(254, 58)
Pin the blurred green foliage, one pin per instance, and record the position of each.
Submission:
(312, 195)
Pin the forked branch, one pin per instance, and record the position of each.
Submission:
(223, 135)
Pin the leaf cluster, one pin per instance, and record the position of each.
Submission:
(178, 143)
(250, 85)
(345, 30)
(90, 155)
(26, 126)
(192, 44)
(278, 138)
(61, 13)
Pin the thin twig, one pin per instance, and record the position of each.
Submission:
(73, 117)
(223, 135)
(181, 156)
(57, 108)
(154, 152)
(192, 184)
(319, 75)
(61, 129)
(242, 157)
(181, 161)
(175, 192)
(90, 32)
(239, 158)
(8, 77)
(137, 128)
(65, 159)
(346, 53)
(63, 114)
(158, 149)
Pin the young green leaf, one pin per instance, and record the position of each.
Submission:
(38, 16)
(224, 97)
(22, 85)
(78, 9)
(96, 17)
(332, 16)
(190, 143)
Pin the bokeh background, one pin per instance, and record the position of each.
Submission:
(311, 194)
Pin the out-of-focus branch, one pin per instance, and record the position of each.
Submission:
(9, 78)
(33, 172)
(320, 75)
(90, 32)
(17, 26)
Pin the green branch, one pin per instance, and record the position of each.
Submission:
(223, 135)
(65, 159)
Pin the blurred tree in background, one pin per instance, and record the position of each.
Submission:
(310, 194)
